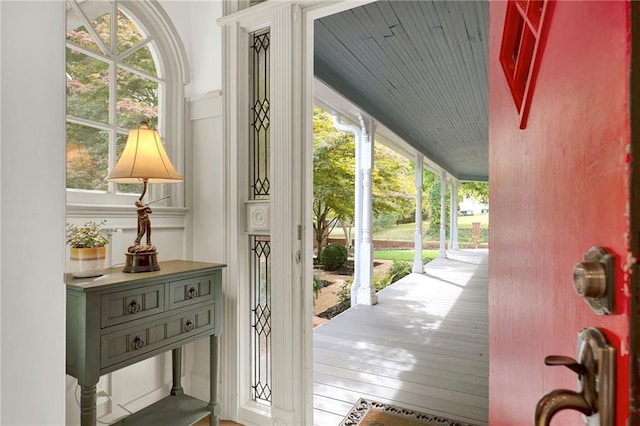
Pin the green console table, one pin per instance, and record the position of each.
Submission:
(118, 319)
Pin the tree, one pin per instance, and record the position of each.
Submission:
(89, 91)
(477, 190)
(334, 179)
(333, 176)
(434, 200)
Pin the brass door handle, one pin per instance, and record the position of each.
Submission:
(595, 367)
(594, 281)
(570, 363)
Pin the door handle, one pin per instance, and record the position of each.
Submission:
(593, 280)
(595, 367)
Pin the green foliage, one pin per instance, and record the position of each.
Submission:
(344, 296)
(399, 269)
(334, 179)
(406, 255)
(385, 220)
(317, 287)
(89, 145)
(381, 282)
(393, 185)
(89, 235)
(333, 176)
(476, 190)
(334, 257)
(433, 212)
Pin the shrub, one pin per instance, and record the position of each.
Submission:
(344, 296)
(317, 286)
(334, 256)
(398, 269)
(380, 283)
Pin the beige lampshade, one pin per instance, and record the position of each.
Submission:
(143, 158)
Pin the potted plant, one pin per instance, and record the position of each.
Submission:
(88, 244)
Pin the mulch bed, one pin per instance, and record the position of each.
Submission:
(346, 270)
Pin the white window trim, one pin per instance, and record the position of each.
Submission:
(174, 69)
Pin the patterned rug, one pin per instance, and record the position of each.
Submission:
(366, 412)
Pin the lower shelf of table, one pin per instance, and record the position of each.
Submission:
(178, 410)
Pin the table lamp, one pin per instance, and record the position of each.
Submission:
(143, 160)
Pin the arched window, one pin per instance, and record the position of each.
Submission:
(124, 65)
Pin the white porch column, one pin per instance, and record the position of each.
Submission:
(357, 260)
(418, 267)
(443, 214)
(453, 230)
(365, 293)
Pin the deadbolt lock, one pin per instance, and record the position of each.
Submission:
(593, 280)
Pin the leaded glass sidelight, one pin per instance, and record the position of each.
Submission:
(261, 319)
(259, 115)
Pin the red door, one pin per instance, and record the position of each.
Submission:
(559, 186)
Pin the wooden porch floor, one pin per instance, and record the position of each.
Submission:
(424, 346)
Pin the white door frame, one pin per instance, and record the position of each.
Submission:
(290, 212)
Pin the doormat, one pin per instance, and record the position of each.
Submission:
(366, 412)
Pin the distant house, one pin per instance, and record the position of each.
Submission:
(471, 207)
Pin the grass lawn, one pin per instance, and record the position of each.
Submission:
(405, 231)
(468, 220)
(407, 255)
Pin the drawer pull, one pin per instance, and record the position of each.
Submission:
(189, 326)
(192, 293)
(134, 307)
(138, 343)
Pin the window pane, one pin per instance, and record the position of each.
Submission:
(106, 88)
(137, 100)
(87, 87)
(87, 150)
(261, 319)
(260, 116)
(142, 60)
(77, 32)
(128, 34)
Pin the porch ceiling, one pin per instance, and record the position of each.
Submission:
(420, 69)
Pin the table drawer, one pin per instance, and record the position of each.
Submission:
(131, 342)
(129, 305)
(193, 290)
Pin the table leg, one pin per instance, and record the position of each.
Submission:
(88, 400)
(176, 364)
(214, 403)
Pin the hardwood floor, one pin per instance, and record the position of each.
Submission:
(424, 346)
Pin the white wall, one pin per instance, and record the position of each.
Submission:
(196, 235)
(32, 211)
(201, 35)
(202, 38)
(32, 137)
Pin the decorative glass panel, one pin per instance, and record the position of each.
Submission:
(260, 116)
(261, 319)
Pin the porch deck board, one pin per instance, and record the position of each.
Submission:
(424, 346)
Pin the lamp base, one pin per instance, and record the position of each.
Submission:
(141, 262)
